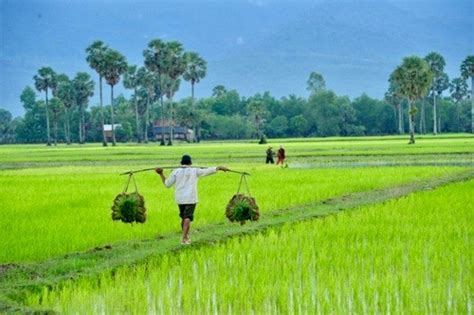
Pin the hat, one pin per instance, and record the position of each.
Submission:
(186, 160)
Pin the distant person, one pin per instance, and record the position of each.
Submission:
(270, 155)
(185, 180)
(281, 156)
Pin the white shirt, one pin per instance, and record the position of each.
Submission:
(185, 179)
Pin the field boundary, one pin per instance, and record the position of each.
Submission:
(18, 280)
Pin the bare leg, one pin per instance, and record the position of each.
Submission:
(186, 224)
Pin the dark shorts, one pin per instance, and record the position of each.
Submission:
(187, 211)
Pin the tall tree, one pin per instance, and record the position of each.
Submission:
(412, 79)
(458, 90)
(392, 97)
(56, 108)
(436, 63)
(175, 65)
(147, 80)
(45, 80)
(256, 111)
(440, 85)
(315, 83)
(96, 60)
(115, 65)
(467, 71)
(155, 61)
(65, 92)
(83, 89)
(196, 68)
(131, 81)
(170, 87)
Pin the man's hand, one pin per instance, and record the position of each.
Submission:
(159, 171)
(222, 168)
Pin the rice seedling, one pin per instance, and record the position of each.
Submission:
(411, 255)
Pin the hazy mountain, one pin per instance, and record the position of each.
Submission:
(252, 46)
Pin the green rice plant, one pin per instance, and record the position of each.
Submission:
(412, 255)
(68, 208)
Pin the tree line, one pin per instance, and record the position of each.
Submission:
(420, 96)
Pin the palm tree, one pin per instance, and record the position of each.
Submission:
(147, 81)
(95, 58)
(412, 80)
(458, 90)
(44, 81)
(440, 85)
(65, 92)
(83, 89)
(115, 65)
(130, 81)
(155, 62)
(56, 108)
(393, 98)
(436, 63)
(196, 68)
(175, 65)
(256, 110)
(467, 71)
(170, 87)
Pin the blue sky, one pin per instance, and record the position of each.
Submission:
(253, 45)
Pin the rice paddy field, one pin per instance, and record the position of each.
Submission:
(349, 225)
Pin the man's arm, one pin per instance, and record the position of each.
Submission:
(210, 170)
(159, 171)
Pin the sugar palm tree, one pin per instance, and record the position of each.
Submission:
(83, 90)
(56, 107)
(45, 80)
(458, 90)
(147, 81)
(170, 87)
(196, 68)
(440, 85)
(65, 92)
(175, 65)
(131, 81)
(115, 65)
(412, 80)
(467, 71)
(95, 58)
(155, 62)
(436, 63)
(395, 100)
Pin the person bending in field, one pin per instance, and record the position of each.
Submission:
(185, 180)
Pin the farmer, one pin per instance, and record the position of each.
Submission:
(269, 156)
(281, 156)
(185, 178)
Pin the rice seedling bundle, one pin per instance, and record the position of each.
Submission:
(129, 207)
(242, 208)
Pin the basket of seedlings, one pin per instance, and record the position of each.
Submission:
(129, 207)
(242, 208)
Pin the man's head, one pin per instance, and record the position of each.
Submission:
(186, 160)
